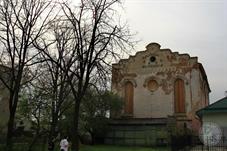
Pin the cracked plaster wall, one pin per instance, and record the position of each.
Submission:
(167, 67)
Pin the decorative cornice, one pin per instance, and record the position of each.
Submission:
(155, 46)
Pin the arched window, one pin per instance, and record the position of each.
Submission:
(129, 92)
(179, 96)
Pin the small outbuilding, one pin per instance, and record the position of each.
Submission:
(216, 113)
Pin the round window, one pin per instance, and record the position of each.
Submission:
(152, 85)
(152, 59)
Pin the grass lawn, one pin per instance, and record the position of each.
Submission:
(119, 148)
(96, 148)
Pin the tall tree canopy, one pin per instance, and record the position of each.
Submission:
(78, 45)
(21, 23)
(88, 37)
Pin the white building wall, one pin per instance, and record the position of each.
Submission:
(165, 70)
(218, 118)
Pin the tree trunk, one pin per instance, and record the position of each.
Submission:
(9, 144)
(92, 137)
(75, 136)
(53, 129)
(12, 110)
(34, 140)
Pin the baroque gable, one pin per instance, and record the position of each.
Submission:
(154, 59)
(156, 76)
(163, 64)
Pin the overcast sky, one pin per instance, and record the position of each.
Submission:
(196, 27)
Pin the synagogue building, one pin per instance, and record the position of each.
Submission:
(158, 86)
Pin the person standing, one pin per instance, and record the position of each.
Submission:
(64, 144)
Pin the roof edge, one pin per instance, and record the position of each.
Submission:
(203, 72)
(199, 112)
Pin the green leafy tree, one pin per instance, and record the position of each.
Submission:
(96, 110)
(34, 107)
(95, 113)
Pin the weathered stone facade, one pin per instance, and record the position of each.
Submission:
(159, 83)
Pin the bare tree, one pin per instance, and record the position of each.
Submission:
(97, 38)
(56, 85)
(56, 53)
(21, 22)
(92, 39)
(87, 41)
(45, 99)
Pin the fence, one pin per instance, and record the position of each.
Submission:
(211, 145)
(190, 143)
(145, 135)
